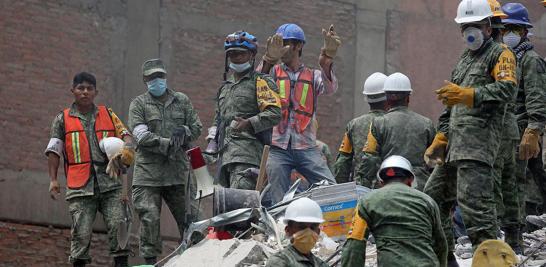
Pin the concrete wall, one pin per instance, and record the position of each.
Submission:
(44, 43)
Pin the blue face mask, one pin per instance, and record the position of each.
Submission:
(239, 67)
(157, 86)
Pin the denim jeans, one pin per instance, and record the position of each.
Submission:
(280, 164)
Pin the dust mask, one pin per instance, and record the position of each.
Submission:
(239, 67)
(305, 240)
(473, 38)
(511, 39)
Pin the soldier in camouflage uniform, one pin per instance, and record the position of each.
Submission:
(483, 81)
(504, 168)
(350, 152)
(247, 109)
(530, 103)
(405, 223)
(75, 134)
(302, 218)
(163, 123)
(399, 132)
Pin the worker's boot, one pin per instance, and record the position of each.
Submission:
(121, 261)
(512, 237)
(79, 263)
(150, 260)
(451, 260)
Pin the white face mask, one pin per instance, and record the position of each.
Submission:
(239, 67)
(511, 39)
(473, 38)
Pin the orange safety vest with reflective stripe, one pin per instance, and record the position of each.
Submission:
(78, 161)
(301, 101)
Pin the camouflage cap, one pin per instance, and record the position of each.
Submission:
(151, 66)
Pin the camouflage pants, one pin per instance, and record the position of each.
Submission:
(507, 199)
(83, 211)
(469, 183)
(148, 201)
(232, 177)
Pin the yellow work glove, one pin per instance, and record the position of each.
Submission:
(529, 146)
(451, 94)
(331, 42)
(127, 154)
(274, 49)
(436, 152)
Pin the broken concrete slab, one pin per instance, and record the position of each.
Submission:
(231, 252)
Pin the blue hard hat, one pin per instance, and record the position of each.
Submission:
(241, 40)
(517, 14)
(291, 31)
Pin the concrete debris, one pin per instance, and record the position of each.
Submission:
(231, 252)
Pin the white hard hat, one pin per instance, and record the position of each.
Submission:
(303, 210)
(373, 87)
(473, 11)
(392, 165)
(110, 146)
(397, 82)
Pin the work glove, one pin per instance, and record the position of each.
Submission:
(115, 166)
(274, 49)
(451, 94)
(436, 152)
(180, 137)
(128, 154)
(529, 146)
(54, 189)
(331, 42)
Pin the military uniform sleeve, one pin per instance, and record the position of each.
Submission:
(325, 151)
(193, 122)
(354, 252)
(439, 238)
(145, 139)
(372, 157)
(269, 103)
(443, 121)
(344, 160)
(504, 88)
(121, 130)
(56, 141)
(534, 86)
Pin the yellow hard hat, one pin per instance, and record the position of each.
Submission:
(496, 9)
(494, 253)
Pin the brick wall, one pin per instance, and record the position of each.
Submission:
(30, 245)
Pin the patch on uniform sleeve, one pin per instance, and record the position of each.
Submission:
(358, 226)
(346, 145)
(266, 97)
(505, 69)
(121, 130)
(371, 142)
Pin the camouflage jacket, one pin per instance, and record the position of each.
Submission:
(99, 180)
(290, 257)
(531, 96)
(261, 106)
(351, 149)
(152, 123)
(399, 132)
(406, 226)
(326, 154)
(475, 133)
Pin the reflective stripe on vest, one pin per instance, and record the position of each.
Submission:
(301, 101)
(78, 159)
